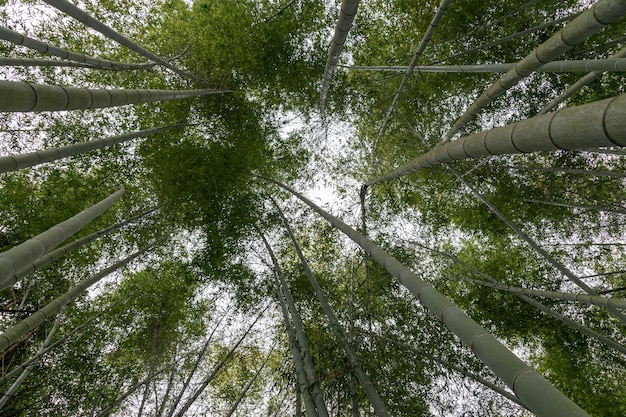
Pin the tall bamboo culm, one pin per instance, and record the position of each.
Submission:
(535, 391)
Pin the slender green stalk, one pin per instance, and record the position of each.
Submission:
(556, 295)
(24, 327)
(344, 23)
(83, 17)
(589, 22)
(303, 385)
(65, 249)
(455, 368)
(608, 209)
(587, 79)
(602, 65)
(35, 62)
(19, 368)
(207, 380)
(443, 6)
(81, 59)
(530, 387)
(380, 409)
(542, 252)
(302, 340)
(22, 256)
(589, 126)
(245, 389)
(569, 171)
(29, 97)
(16, 162)
(6, 397)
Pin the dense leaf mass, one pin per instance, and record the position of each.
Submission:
(194, 325)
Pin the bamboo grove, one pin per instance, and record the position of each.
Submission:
(320, 208)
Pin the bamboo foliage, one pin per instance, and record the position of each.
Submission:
(542, 252)
(45, 48)
(207, 380)
(583, 127)
(541, 397)
(245, 389)
(461, 370)
(22, 256)
(601, 14)
(513, 36)
(30, 97)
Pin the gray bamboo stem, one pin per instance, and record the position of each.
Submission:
(602, 65)
(16, 162)
(589, 22)
(542, 252)
(344, 23)
(443, 6)
(83, 17)
(65, 249)
(245, 389)
(35, 62)
(455, 368)
(587, 79)
(29, 368)
(51, 346)
(302, 340)
(23, 255)
(589, 126)
(569, 171)
(196, 365)
(541, 397)
(608, 209)
(303, 385)
(380, 409)
(85, 60)
(24, 327)
(207, 380)
(556, 295)
(29, 97)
